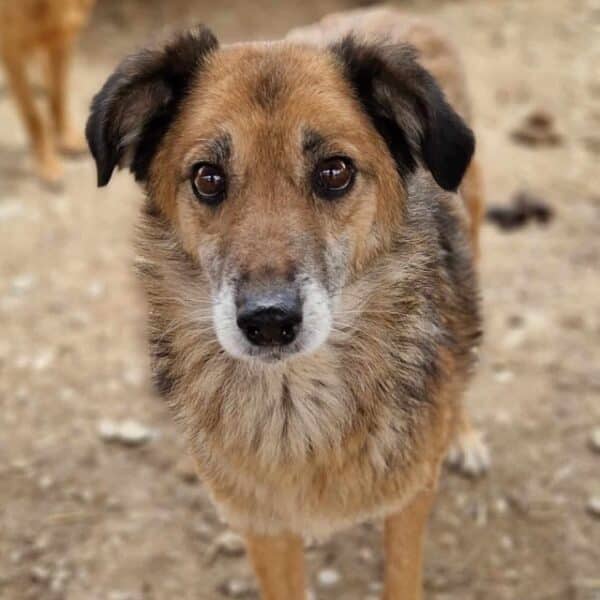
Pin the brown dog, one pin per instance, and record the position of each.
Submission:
(313, 300)
(27, 26)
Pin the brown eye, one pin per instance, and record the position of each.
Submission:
(333, 177)
(208, 183)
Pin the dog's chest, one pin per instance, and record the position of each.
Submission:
(278, 416)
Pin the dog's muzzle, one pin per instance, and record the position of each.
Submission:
(270, 318)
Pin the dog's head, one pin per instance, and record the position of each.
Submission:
(281, 168)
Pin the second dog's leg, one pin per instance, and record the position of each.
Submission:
(70, 138)
(49, 168)
(278, 562)
(403, 541)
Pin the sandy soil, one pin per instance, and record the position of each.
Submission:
(81, 519)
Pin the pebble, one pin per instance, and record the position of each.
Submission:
(229, 544)
(134, 376)
(366, 554)
(238, 588)
(122, 595)
(23, 283)
(506, 542)
(95, 289)
(328, 577)
(43, 360)
(127, 433)
(501, 506)
(504, 376)
(11, 210)
(593, 506)
(204, 530)
(595, 440)
(45, 482)
(39, 574)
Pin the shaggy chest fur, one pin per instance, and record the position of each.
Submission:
(351, 430)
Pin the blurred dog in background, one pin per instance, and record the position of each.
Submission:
(49, 27)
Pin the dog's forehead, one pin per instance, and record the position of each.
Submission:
(278, 86)
(269, 73)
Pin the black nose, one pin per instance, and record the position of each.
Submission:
(270, 323)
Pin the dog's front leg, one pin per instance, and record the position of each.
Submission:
(70, 138)
(278, 562)
(403, 541)
(48, 166)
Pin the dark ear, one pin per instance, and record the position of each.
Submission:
(408, 109)
(138, 102)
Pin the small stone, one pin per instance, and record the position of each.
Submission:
(43, 360)
(59, 579)
(595, 440)
(11, 210)
(504, 376)
(328, 577)
(229, 544)
(45, 482)
(39, 574)
(501, 506)
(23, 283)
(506, 542)
(127, 433)
(238, 588)
(593, 506)
(514, 339)
(134, 376)
(204, 530)
(95, 289)
(122, 595)
(366, 554)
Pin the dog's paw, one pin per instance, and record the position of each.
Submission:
(72, 144)
(469, 455)
(50, 174)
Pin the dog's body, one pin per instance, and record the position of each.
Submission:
(48, 26)
(340, 399)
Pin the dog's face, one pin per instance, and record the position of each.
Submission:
(280, 168)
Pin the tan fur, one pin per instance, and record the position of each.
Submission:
(359, 426)
(50, 26)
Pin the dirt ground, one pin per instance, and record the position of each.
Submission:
(82, 519)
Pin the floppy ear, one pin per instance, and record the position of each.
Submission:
(408, 109)
(137, 104)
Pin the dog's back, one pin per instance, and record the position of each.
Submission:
(50, 27)
(27, 24)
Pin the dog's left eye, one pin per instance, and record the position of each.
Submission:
(208, 183)
(333, 177)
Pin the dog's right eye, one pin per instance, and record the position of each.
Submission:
(209, 183)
